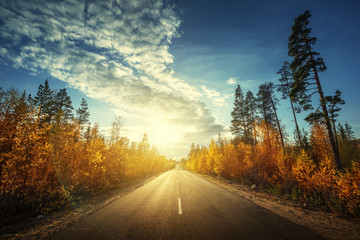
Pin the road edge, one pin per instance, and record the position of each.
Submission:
(325, 224)
(60, 220)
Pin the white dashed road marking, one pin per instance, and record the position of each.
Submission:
(180, 210)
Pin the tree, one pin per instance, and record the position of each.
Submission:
(63, 107)
(264, 105)
(192, 151)
(40, 169)
(333, 104)
(346, 131)
(349, 147)
(44, 100)
(220, 142)
(286, 81)
(239, 124)
(115, 130)
(250, 102)
(306, 66)
(83, 113)
(13, 112)
(144, 145)
(267, 103)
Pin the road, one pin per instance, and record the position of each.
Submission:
(181, 205)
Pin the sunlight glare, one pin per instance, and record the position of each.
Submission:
(162, 133)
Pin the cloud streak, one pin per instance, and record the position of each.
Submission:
(231, 81)
(217, 98)
(114, 51)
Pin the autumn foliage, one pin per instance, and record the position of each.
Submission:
(309, 176)
(45, 163)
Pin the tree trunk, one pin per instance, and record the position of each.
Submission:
(254, 126)
(335, 150)
(266, 132)
(244, 138)
(296, 124)
(59, 115)
(335, 133)
(277, 122)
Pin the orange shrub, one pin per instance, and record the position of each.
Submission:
(284, 176)
(319, 142)
(304, 169)
(348, 187)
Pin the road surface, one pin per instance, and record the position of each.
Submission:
(181, 205)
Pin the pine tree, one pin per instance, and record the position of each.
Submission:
(250, 102)
(83, 113)
(346, 131)
(87, 133)
(348, 145)
(333, 105)
(44, 100)
(264, 105)
(267, 104)
(306, 66)
(286, 81)
(239, 126)
(63, 107)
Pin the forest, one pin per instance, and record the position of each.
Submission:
(50, 156)
(320, 167)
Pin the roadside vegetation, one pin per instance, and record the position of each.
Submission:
(50, 156)
(321, 168)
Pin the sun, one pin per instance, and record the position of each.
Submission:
(164, 134)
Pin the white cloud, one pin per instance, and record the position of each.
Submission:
(231, 81)
(243, 83)
(114, 51)
(217, 98)
(210, 93)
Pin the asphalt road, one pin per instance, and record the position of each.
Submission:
(181, 205)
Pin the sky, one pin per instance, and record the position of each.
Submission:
(170, 68)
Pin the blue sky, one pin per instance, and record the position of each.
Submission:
(170, 67)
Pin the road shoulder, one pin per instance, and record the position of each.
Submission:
(40, 227)
(323, 223)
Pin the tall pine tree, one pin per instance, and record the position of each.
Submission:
(239, 125)
(44, 101)
(286, 80)
(250, 102)
(306, 66)
(334, 103)
(63, 107)
(83, 113)
(267, 104)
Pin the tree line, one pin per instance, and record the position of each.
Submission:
(298, 81)
(50, 154)
(322, 167)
